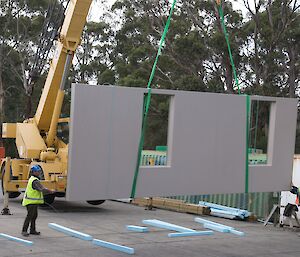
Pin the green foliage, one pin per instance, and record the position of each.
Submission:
(107, 77)
(21, 24)
(92, 55)
(158, 116)
(274, 31)
(190, 83)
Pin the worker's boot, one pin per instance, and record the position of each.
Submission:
(33, 229)
(25, 233)
(35, 233)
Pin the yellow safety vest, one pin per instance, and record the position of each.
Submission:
(31, 195)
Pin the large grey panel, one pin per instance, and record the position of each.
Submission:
(277, 174)
(104, 137)
(206, 145)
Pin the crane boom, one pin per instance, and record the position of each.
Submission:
(71, 31)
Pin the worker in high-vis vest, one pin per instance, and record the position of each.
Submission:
(32, 198)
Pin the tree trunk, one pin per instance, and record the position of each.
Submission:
(292, 71)
(257, 69)
(228, 74)
(28, 87)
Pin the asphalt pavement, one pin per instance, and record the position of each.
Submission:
(107, 222)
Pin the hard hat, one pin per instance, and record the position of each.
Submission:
(36, 168)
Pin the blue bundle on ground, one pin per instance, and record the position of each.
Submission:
(225, 211)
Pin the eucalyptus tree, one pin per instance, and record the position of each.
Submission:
(272, 47)
(92, 59)
(195, 55)
(24, 38)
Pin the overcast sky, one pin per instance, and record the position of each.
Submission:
(97, 8)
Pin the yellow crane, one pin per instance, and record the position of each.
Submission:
(36, 138)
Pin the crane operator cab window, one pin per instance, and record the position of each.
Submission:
(63, 131)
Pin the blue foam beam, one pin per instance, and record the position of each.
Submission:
(231, 229)
(16, 239)
(234, 211)
(236, 232)
(224, 214)
(196, 233)
(166, 225)
(137, 228)
(70, 232)
(216, 228)
(113, 246)
(204, 221)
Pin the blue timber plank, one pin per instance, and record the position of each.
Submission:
(113, 246)
(196, 233)
(166, 225)
(137, 228)
(16, 239)
(70, 232)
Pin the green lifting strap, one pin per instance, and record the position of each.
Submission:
(147, 103)
(239, 92)
(229, 48)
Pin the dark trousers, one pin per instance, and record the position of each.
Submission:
(32, 213)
